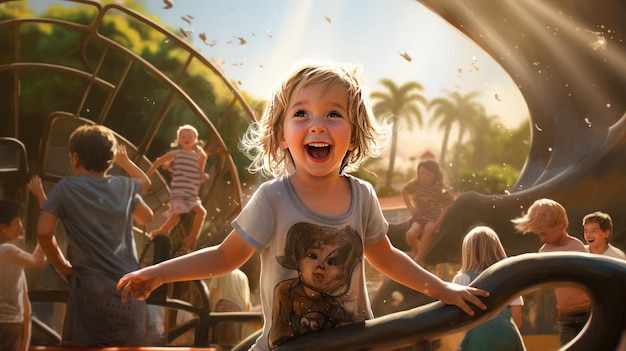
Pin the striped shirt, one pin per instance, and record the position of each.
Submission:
(186, 176)
(430, 199)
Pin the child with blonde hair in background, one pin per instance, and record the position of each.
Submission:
(231, 293)
(316, 128)
(187, 166)
(548, 220)
(481, 249)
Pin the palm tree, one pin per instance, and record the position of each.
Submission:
(455, 109)
(400, 103)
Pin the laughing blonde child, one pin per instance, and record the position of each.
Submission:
(316, 128)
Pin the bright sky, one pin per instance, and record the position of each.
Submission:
(279, 35)
(261, 41)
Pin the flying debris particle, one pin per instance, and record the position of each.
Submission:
(205, 41)
(497, 97)
(328, 19)
(406, 56)
(474, 64)
(168, 4)
(538, 128)
(600, 42)
(242, 41)
(187, 19)
(186, 32)
(588, 121)
(239, 82)
(203, 38)
(261, 66)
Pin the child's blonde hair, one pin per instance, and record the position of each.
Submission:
(543, 214)
(186, 127)
(261, 141)
(481, 248)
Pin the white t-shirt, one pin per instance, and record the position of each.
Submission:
(12, 284)
(611, 251)
(312, 274)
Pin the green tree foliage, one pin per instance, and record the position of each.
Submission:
(141, 95)
(493, 179)
(492, 159)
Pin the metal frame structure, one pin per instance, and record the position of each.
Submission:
(223, 186)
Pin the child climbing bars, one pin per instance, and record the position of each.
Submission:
(187, 166)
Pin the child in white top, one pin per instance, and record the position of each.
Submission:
(598, 228)
(14, 303)
(313, 225)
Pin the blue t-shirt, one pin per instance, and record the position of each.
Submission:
(97, 216)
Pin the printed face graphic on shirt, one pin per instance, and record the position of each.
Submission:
(325, 259)
(320, 268)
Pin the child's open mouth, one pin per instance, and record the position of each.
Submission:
(318, 151)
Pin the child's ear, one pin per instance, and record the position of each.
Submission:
(75, 161)
(353, 141)
(281, 139)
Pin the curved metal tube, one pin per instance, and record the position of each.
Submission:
(602, 277)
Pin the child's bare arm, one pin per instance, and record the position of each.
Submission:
(36, 187)
(35, 259)
(121, 158)
(142, 213)
(49, 245)
(406, 196)
(401, 268)
(160, 161)
(204, 176)
(212, 261)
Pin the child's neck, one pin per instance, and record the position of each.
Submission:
(563, 240)
(83, 172)
(600, 249)
(328, 196)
